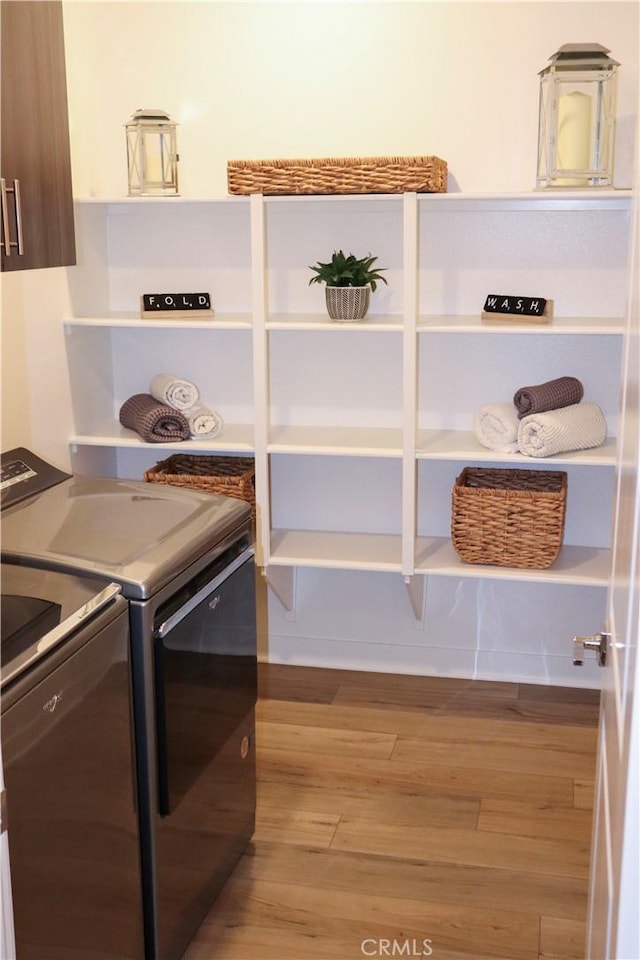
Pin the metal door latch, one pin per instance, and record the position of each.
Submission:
(599, 643)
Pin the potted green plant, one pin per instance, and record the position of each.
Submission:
(349, 282)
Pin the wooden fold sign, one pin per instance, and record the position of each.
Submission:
(176, 306)
(500, 308)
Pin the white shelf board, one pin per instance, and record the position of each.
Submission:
(596, 198)
(582, 566)
(364, 202)
(462, 445)
(549, 199)
(371, 324)
(339, 551)
(166, 201)
(234, 438)
(338, 441)
(222, 321)
(321, 321)
(558, 326)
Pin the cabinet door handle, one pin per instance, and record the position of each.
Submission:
(7, 243)
(16, 196)
(4, 211)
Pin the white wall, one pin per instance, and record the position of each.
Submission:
(294, 79)
(305, 79)
(36, 406)
(15, 405)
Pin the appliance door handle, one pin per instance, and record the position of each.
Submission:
(164, 628)
(76, 619)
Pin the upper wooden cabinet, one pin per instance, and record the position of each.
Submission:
(37, 201)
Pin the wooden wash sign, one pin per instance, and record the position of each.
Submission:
(500, 307)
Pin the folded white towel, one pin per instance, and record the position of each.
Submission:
(496, 427)
(175, 392)
(204, 422)
(578, 427)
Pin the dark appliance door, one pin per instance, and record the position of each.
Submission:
(68, 764)
(206, 685)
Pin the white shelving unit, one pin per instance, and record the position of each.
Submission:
(358, 430)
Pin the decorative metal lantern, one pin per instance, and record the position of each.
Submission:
(152, 157)
(577, 117)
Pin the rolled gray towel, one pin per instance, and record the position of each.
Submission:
(155, 422)
(548, 396)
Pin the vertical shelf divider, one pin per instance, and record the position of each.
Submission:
(415, 585)
(259, 298)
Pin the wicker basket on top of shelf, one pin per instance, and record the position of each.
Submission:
(228, 476)
(512, 518)
(338, 175)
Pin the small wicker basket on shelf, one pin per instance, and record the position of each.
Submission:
(228, 476)
(338, 175)
(512, 518)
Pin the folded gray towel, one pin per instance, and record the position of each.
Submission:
(548, 396)
(155, 422)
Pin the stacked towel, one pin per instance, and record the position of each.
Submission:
(548, 396)
(496, 427)
(155, 422)
(175, 392)
(184, 396)
(576, 427)
(203, 422)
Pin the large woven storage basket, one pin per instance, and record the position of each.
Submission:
(512, 518)
(338, 175)
(228, 476)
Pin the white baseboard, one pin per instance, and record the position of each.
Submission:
(504, 666)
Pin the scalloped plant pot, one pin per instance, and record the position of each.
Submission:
(347, 304)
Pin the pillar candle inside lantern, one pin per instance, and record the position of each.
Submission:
(574, 136)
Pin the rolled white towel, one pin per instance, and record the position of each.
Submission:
(578, 427)
(174, 391)
(496, 427)
(204, 422)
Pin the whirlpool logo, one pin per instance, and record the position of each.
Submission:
(396, 948)
(51, 704)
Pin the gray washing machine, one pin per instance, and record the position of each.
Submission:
(185, 563)
(67, 748)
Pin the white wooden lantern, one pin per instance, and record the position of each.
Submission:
(576, 123)
(152, 156)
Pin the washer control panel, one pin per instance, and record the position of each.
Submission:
(16, 471)
(23, 474)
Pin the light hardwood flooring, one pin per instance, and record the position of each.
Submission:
(410, 817)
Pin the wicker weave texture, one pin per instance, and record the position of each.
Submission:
(511, 518)
(337, 175)
(228, 476)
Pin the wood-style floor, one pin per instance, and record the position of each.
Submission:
(411, 817)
